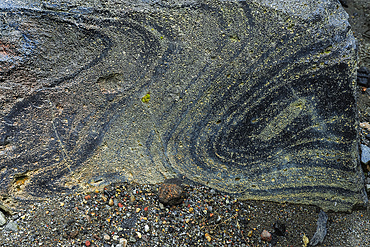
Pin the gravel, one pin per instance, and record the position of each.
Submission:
(204, 218)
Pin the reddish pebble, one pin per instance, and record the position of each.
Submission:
(87, 197)
(266, 236)
(87, 243)
(146, 209)
(120, 205)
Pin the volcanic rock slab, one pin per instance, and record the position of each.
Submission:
(254, 98)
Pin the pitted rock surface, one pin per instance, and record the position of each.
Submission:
(171, 192)
(253, 98)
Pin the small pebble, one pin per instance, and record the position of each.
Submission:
(111, 202)
(123, 242)
(146, 238)
(146, 228)
(132, 199)
(208, 237)
(106, 237)
(171, 192)
(132, 239)
(266, 236)
(365, 154)
(73, 234)
(138, 234)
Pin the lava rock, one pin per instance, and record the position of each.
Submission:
(171, 192)
(279, 228)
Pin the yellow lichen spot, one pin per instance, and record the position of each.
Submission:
(146, 98)
(305, 240)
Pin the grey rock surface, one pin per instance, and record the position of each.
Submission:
(11, 226)
(2, 219)
(254, 98)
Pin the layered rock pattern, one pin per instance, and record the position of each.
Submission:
(254, 98)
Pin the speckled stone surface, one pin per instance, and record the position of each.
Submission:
(253, 98)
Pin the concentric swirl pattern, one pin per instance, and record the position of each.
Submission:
(254, 98)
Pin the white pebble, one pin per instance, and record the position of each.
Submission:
(123, 242)
(146, 228)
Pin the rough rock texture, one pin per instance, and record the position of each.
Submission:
(171, 192)
(2, 219)
(321, 230)
(254, 98)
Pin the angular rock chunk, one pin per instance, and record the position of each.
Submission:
(321, 230)
(254, 98)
